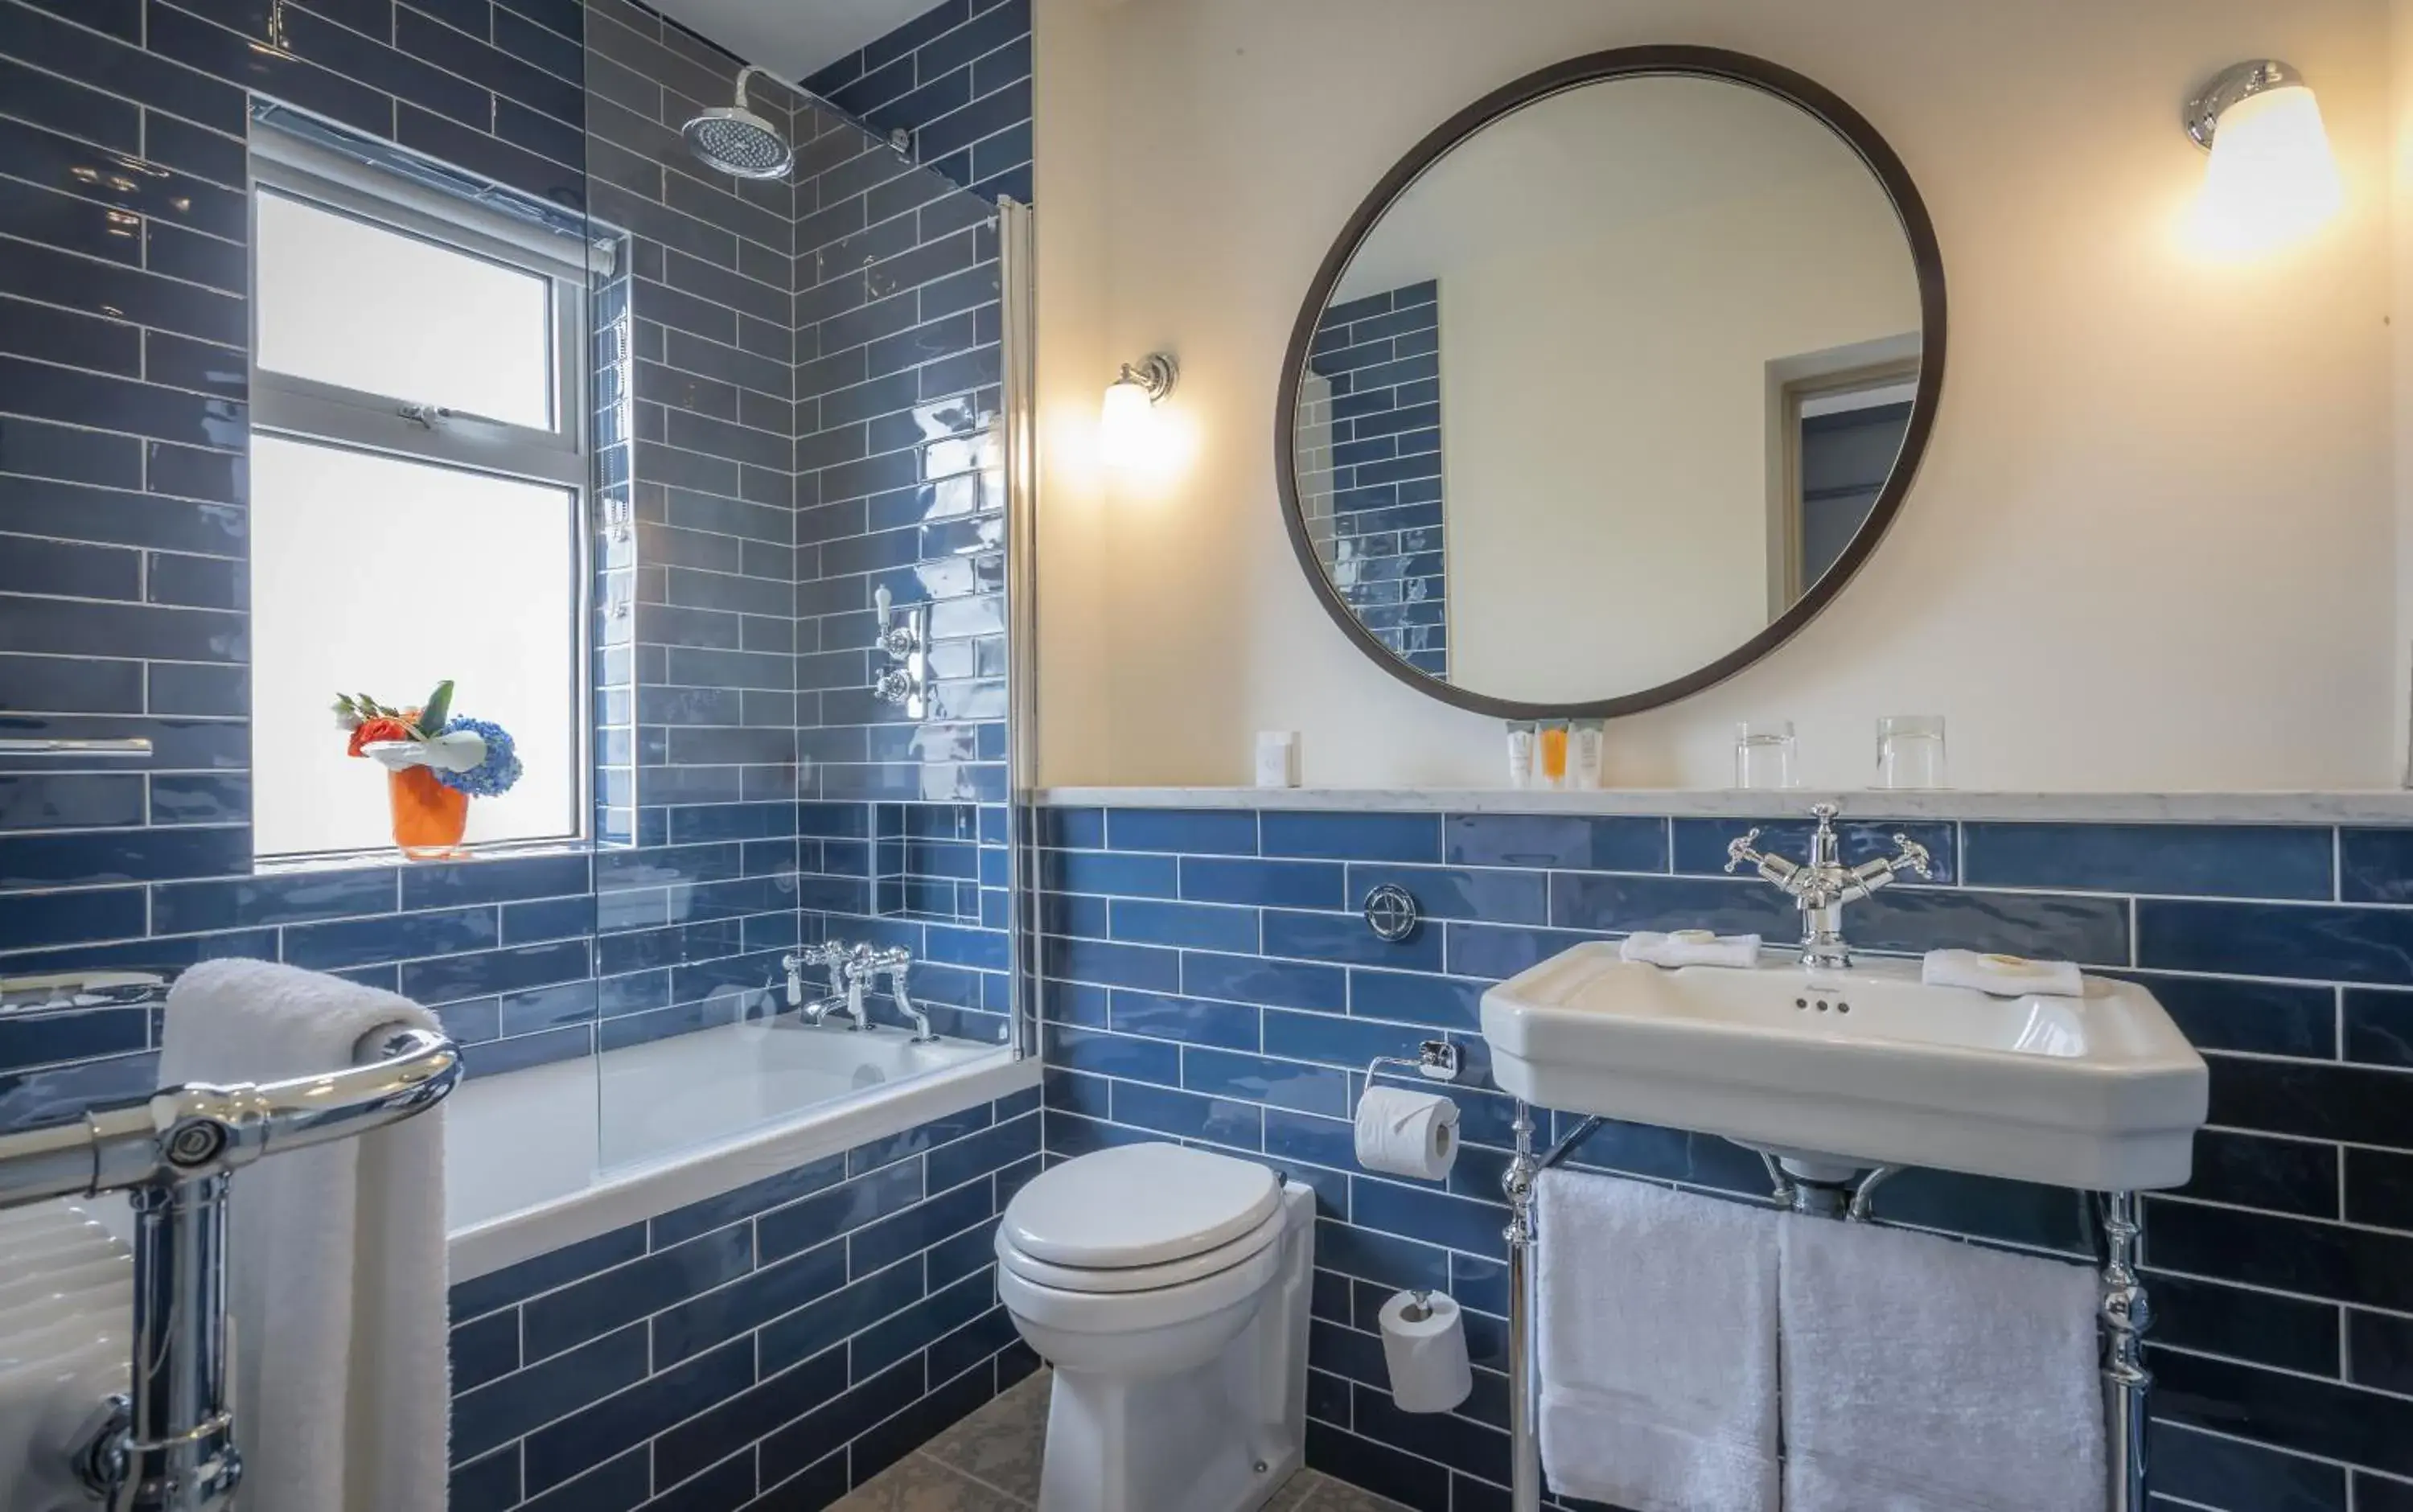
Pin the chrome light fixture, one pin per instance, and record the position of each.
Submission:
(1127, 422)
(2271, 180)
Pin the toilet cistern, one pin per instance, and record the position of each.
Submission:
(1821, 885)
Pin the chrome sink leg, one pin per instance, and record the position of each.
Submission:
(2128, 1312)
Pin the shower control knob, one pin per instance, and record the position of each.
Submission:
(895, 686)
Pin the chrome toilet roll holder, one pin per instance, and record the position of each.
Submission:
(1436, 1061)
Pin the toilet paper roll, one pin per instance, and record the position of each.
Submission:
(1424, 1343)
(1403, 1133)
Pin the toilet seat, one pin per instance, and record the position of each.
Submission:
(1116, 1281)
(1139, 1207)
(1137, 1314)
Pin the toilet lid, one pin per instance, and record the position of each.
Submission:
(1138, 1205)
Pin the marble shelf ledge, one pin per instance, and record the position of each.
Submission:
(2381, 807)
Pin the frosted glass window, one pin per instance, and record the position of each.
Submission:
(377, 575)
(360, 307)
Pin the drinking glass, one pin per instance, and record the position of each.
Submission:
(1763, 753)
(1910, 750)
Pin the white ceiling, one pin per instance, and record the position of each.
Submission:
(793, 38)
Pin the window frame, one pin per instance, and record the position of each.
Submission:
(315, 412)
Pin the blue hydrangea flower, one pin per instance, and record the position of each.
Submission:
(496, 774)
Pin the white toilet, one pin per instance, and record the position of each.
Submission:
(1169, 1287)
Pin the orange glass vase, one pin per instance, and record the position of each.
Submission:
(428, 817)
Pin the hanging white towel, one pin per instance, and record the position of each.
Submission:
(337, 1274)
(1926, 1375)
(1690, 947)
(1658, 1347)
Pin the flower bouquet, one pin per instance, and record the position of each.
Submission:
(436, 762)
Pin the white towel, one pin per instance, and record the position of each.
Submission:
(1658, 1347)
(1926, 1375)
(1690, 947)
(336, 1279)
(2004, 976)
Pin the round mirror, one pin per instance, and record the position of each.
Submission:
(1611, 383)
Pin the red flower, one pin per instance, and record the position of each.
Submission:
(377, 729)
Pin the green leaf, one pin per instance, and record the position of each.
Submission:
(438, 709)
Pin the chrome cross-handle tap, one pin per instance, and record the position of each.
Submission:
(893, 962)
(1821, 885)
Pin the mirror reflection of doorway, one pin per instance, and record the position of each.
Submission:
(1836, 435)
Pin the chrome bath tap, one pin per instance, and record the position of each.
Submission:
(1821, 885)
(844, 996)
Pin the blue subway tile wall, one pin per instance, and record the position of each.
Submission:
(1207, 979)
(769, 1347)
(1370, 466)
(958, 79)
(123, 440)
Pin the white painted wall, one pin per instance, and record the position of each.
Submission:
(2153, 542)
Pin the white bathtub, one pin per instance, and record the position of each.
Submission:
(540, 1157)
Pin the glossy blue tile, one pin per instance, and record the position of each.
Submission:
(838, 1209)
(302, 896)
(1111, 965)
(393, 936)
(2306, 941)
(33, 920)
(1558, 842)
(1353, 836)
(448, 978)
(1185, 1116)
(2376, 1027)
(498, 879)
(1229, 1026)
(1206, 831)
(2374, 866)
(67, 860)
(1113, 1055)
(1203, 927)
(1312, 885)
(504, 1409)
(561, 1451)
(1444, 1002)
(2262, 1017)
(1497, 952)
(1266, 983)
(1262, 1080)
(2198, 860)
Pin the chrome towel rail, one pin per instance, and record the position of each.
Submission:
(73, 745)
(2125, 1312)
(169, 1446)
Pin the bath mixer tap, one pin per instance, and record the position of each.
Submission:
(844, 996)
(893, 963)
(1821, 885)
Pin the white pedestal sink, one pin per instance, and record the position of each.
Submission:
(1860, 1067)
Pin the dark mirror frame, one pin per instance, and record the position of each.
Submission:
(1623, 63)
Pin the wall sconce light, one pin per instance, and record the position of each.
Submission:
(2271, 180)
(1128, 428)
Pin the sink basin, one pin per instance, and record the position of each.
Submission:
(1860, 1067)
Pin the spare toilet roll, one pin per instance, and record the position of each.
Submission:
(1403, 1133)
(1423, 1342)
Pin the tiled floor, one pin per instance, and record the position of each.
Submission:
(989, 1463)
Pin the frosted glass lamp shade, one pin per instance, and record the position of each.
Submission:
(2273, 180)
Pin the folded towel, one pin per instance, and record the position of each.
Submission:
(2004, 976)
(1690, 947)
(336, 1279)
(1926, 1375)
(1658, 1347)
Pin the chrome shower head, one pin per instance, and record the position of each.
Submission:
(734, 140)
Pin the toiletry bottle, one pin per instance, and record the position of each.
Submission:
(1552, 754)
(1587, 743)
(1520, 753)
